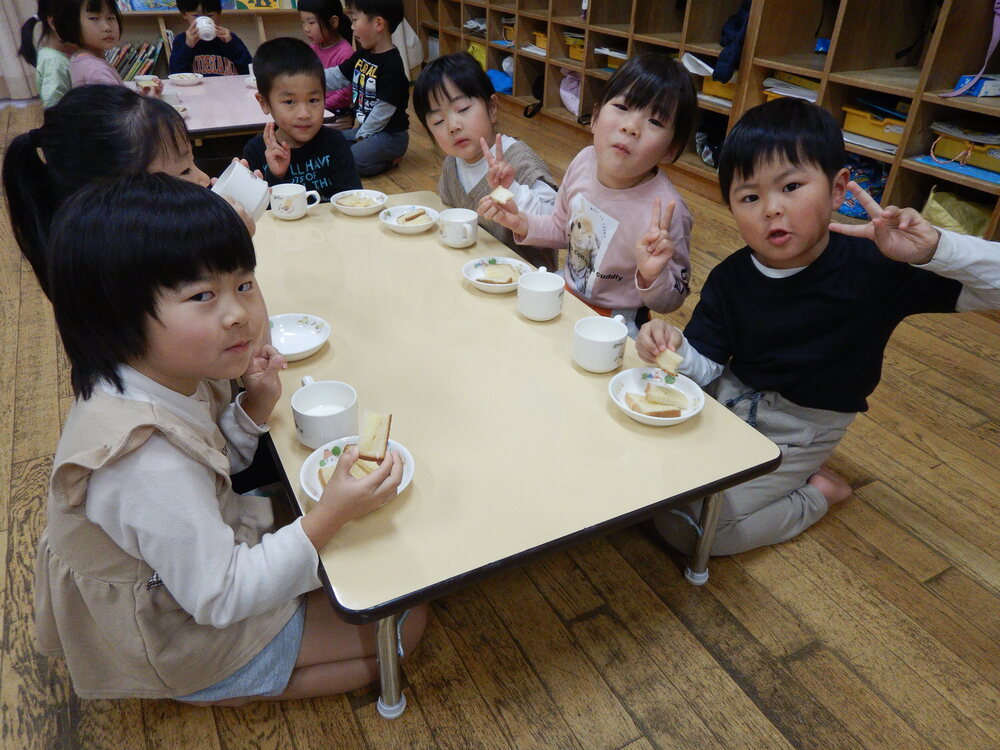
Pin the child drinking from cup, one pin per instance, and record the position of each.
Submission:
(51, 57)
(625, 226)
(153, 578)
(222, 53)
(94, 27)
(296, 147)
(328, 30)
(455, 101)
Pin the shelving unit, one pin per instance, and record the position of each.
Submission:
(936, 44)
(252, 26)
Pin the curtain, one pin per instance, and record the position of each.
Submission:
(17, 78)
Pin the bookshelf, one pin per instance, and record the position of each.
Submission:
(252, 26)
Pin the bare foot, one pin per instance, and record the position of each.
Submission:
(831, 484)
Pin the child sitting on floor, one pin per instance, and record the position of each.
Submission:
(328, 30)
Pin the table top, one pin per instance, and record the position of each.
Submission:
(516, 449)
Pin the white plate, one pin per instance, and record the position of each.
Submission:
(185, 79)
(635, 380)
(309, 474)
(389, 216)
(297, 335)
(473, 272)
(375, 195)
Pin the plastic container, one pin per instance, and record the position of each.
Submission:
(888, 129)
(716, 88)
(950, 148)
(508, 32)
(541, 40)
(574, 48)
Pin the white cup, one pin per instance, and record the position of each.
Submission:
(146, 81)
(206, 28)
(242, 185)
(599, 343)
(458, 227)
(291, 201)
(324, 410)
(540, 294)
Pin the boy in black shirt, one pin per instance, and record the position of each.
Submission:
(299, 149)
(380, 89)
(225, 55)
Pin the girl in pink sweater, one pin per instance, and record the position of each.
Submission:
(328, 30)
(94, 27)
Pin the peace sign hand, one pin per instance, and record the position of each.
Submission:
(278, 155)
(901, 233)
(655, 248)
(500, 172)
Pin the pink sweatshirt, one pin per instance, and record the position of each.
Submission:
(331, 57)
(600, 228)
(85, 68)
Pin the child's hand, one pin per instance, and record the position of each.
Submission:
(191, 36)
(655, 248)
(223, 34)
(500, 172)
(901, 233)
(278, 155)
(262, 383)
(656, 336)
(507, 214)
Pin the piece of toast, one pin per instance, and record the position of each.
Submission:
(664, 394)
(325, 472)
(499, 273)
(355, 200)
(362, 468)
(374, 437)
(501, 195)
(669, 361)
(643, 406)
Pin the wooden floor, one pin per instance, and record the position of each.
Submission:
(878, 628)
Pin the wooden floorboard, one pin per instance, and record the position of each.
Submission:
(878, 628)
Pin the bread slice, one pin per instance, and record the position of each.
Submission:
(326, 472)
(362, 468)
(499, 273)
(356, 200)
(410, 216)
(664, 394)
(643, 406)
(669, 361)
(501, 195)
(374, 437)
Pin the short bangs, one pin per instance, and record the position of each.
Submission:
(464, 73)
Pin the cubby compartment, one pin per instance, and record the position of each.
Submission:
(566, 50)
(568, 11)
(605, 53)
(874, 123)
(614, 16)
(427, 12)
(660, 22)
(501, 28)
(704, 28)
(494, 61)
(784, 44)
(473, 21)
(538, 8)
(690, 160)
(532, 33)
(451, 17)
(912, 188)
(527, 69)
(450, 41)
(555, 106)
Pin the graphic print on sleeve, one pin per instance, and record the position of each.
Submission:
(590, 232)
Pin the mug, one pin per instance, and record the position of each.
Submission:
(206, 28)
(291, 201)
(324, 410)
(458, 227)
(540, 294)
(242, 185)
(146, 81)
(599, 343)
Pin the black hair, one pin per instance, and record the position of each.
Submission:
(786, 128)
(94, 132)
(324, 10)
(465, 74)
(656, 81)
(66, 16)
(207, 6)
(390, 10)
(27, 49)
(285, 56)
(115, 246)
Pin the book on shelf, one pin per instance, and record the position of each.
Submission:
(134, 59)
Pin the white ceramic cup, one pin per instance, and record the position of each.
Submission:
(540, 294)
(458, 227)
(324, 410)
(206, 28)
(145, 81)
(599, 343)
(291, 201)
(241, 184)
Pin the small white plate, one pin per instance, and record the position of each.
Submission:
(473, 272)
(390, 216)
(309, 474)
(375, 195)
(635, 380)
(297, 335)
(185, 79)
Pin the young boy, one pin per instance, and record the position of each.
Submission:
(380, 89)
(791, 330)
(226, 55)
(300, 149)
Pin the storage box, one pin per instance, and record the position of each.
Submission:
(574, 48)
(888, 129)
(716, 88)
(950, 148)
(508, 32)
(478, 51)
(541, 40)
(614, 62)
(985, 86)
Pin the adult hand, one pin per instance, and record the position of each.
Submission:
(655, 248)
(901, 233)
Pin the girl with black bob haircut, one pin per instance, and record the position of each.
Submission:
(66, 17)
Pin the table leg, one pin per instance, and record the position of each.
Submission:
(391, 702)
(697, 570)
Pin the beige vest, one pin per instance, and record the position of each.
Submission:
(121, 632)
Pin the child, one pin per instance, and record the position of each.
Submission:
(300, 149)
(225, 55)
(380, 88)
(455, 101)
(616, 258)
(791, 330)
(50, 60)
(94, 27)
(153, 578)
(328, 30)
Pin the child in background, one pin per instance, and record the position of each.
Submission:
(225, 55)
(328, 30)
(153, 578)
(300, 150)
(791, 330)
(380, 89)
(456, 102)
(618, 259)
(94, 27)
(50, 60)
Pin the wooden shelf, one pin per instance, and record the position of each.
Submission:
(713, 49)
(800, 63)
(982, 105)
(562, 114)
(871, 153)
(949, 176)
(899, 81)
(667, 38)
(691, 162)
(714, 106)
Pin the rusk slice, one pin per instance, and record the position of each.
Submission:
(374, 438)
(650, 409)
(501, 195)
(669, 361)
(664, 394)
(325, 472)
(409, 216)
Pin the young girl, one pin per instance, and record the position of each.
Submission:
(624, 225)
(50, 60)
(94, 26)
(154, 579)
(455, 101)
(328, 30)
